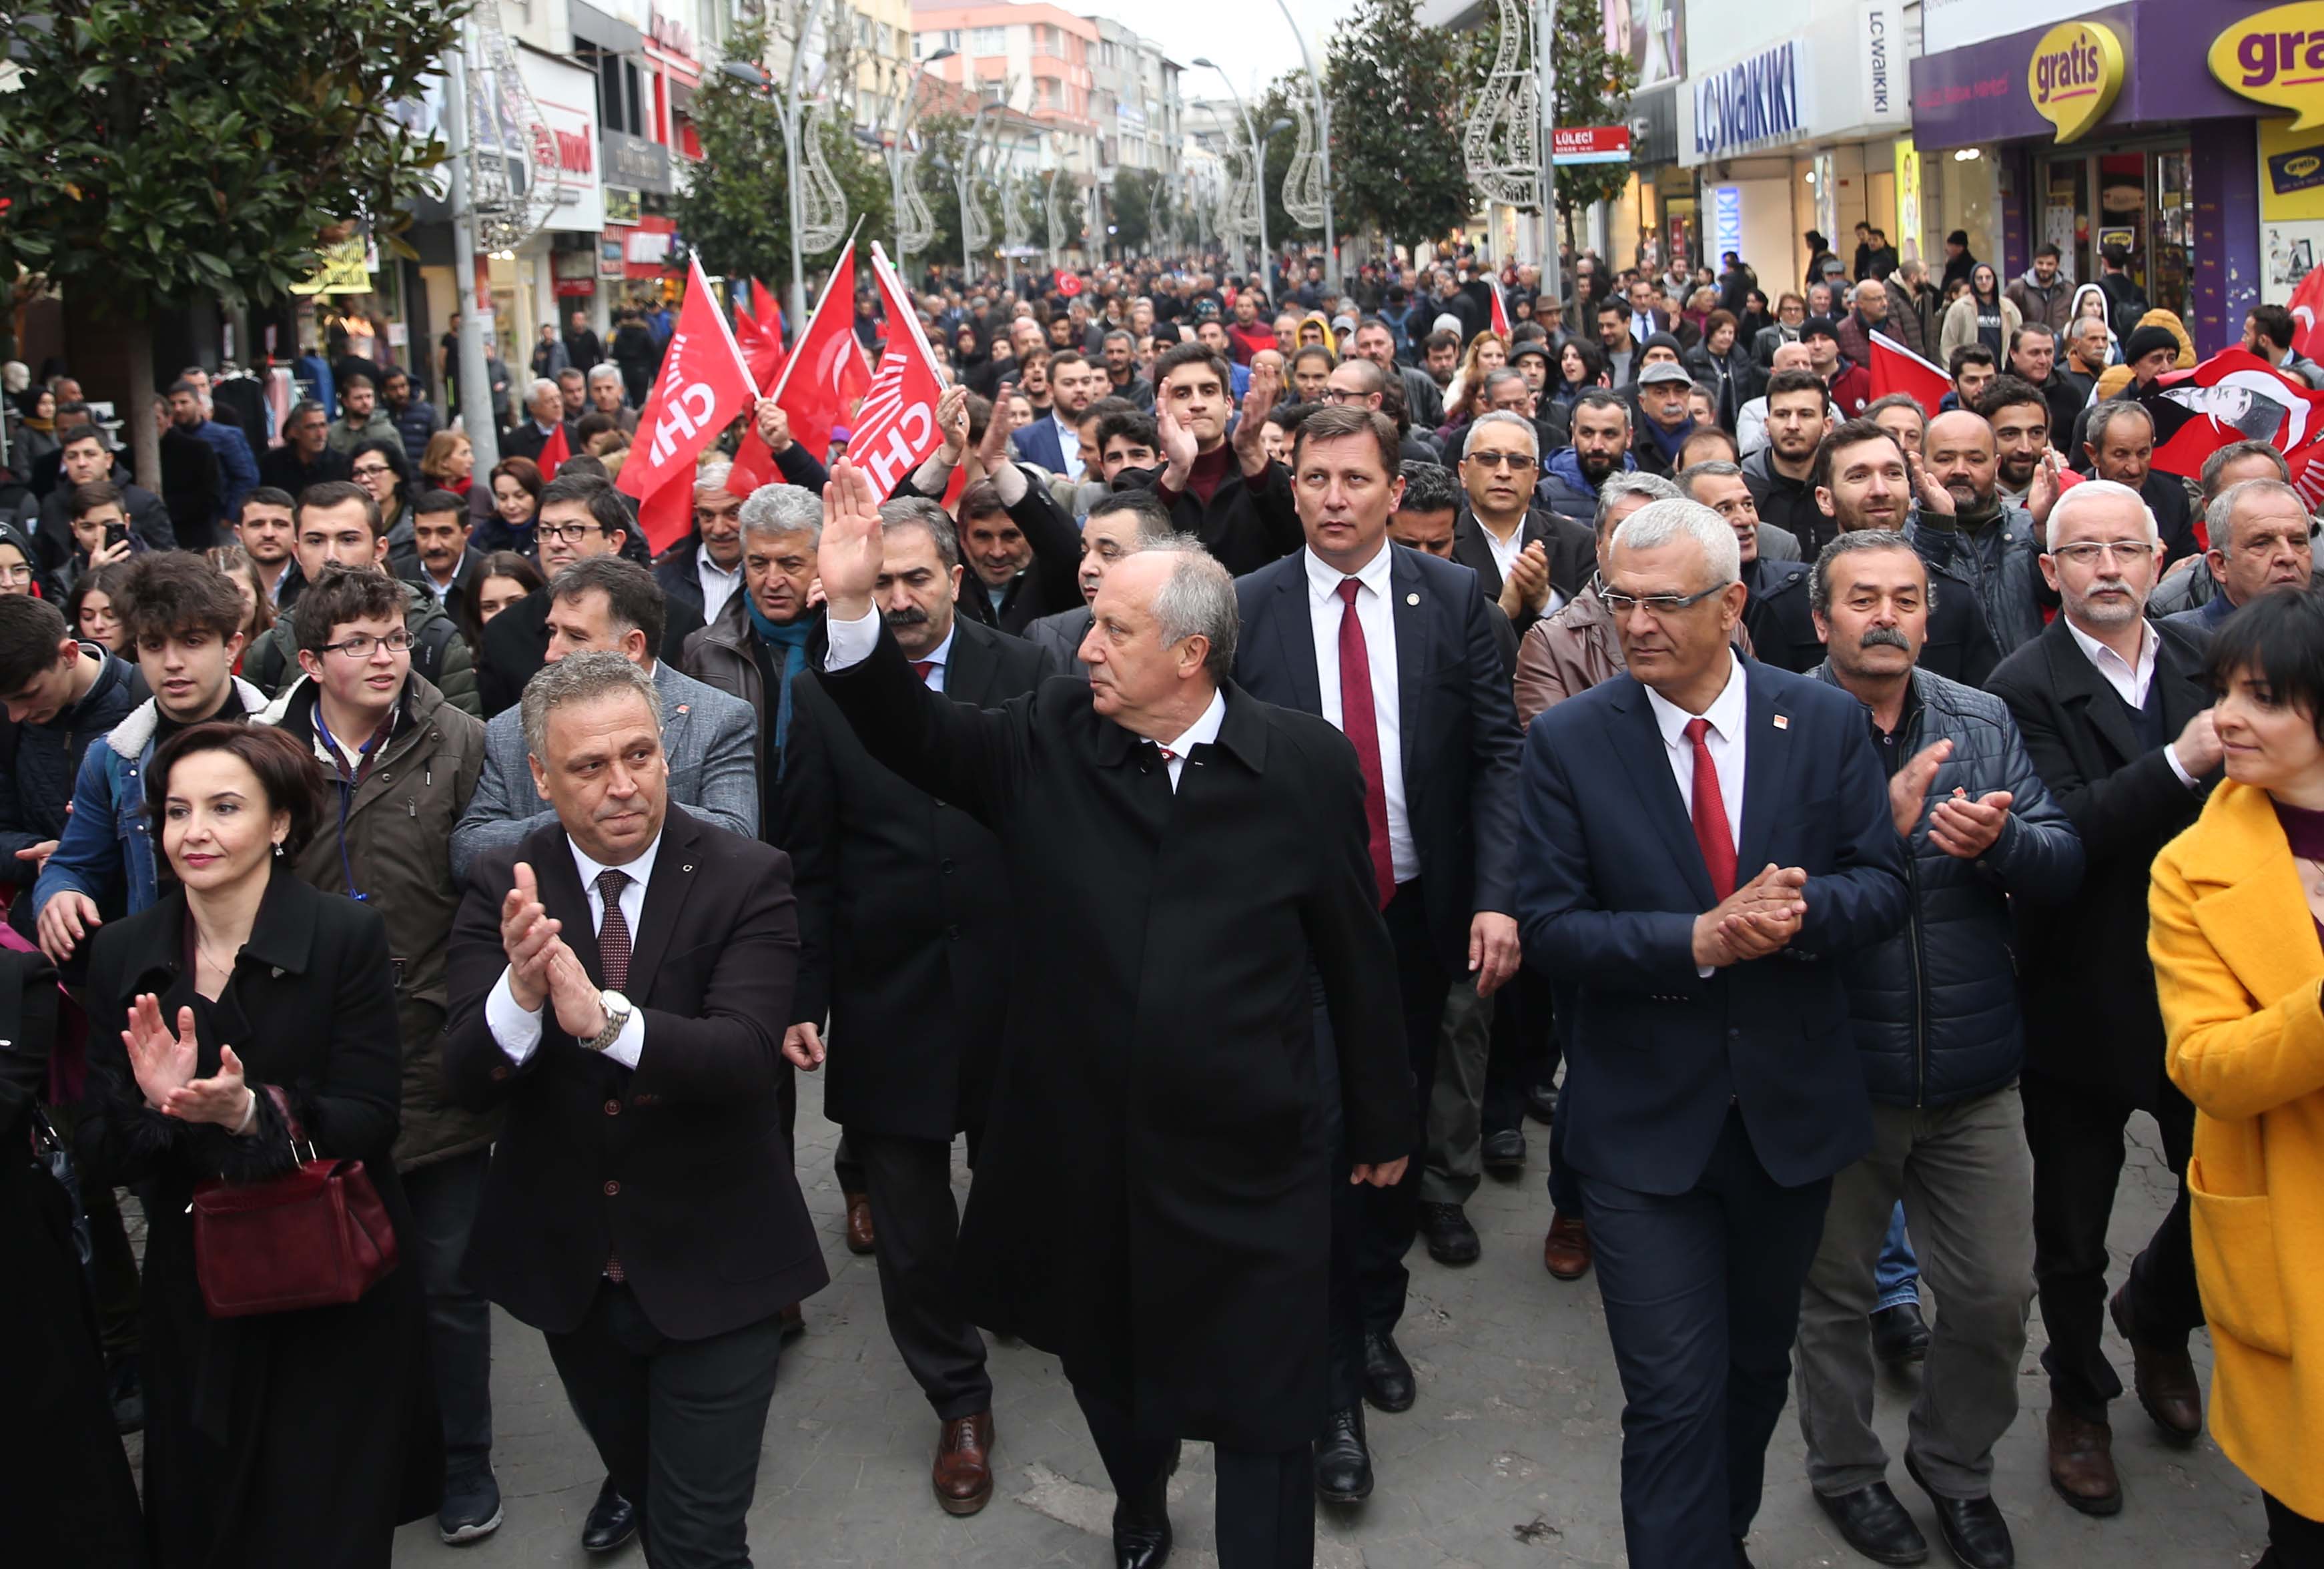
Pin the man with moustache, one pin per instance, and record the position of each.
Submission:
(2230, 464)
(1934, 1012)
(1966, 531)
(1861, 481)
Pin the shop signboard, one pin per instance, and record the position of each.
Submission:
(1756, 101)
(1907, 232)
(567, 97)
(2276, 58)
(1725, 219)
(1590, 144)
(2075, 76)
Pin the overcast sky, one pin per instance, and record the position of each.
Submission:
(1248, 37)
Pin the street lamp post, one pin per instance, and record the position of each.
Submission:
(1323, 133)
(748, 72)
(474, 383)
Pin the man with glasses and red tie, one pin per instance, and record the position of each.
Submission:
(1698, 837)
(1395, 648)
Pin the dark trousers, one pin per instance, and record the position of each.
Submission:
(916, 1232)
(2076, 1134)
(678, 1423)
(1266, 1502)
(1522, 1054)
(444, 1196)
(2293, 1541)
(1703, 1300)
(1565, 1185)
(1372, 1228)
(846, 1167)
(111, 1263)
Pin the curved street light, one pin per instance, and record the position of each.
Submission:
(753, 76)
(1323, 133)
(1258, 145)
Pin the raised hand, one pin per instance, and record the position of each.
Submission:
(1258, 403)
(161, 1063)
(1928, 489)
(774, 425)
(1908, 792)
(951, 419)
(526, 932)
(1180, 447)
(992, 451)
(2042, 494)
(850, 554)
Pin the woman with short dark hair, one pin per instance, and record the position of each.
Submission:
(241, 1012)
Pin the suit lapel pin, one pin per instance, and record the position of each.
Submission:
(1412, 599)
(686, 707)
(1782, 721)
(688, 867)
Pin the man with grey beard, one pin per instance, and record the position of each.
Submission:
(1934, 1009)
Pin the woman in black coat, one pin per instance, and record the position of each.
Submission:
(76, 1501)
(285, 1439)
(1720, 363)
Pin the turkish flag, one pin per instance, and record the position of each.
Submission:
(2233, 396)
(761, 336)
(1897, 369)
(1501, 309)
(896, 428)
(826, 376)
(703, 385)
(553, 453)
(2308, 314)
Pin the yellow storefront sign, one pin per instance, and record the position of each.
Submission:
(347, 269)
(2076, 71)
(2276, 58)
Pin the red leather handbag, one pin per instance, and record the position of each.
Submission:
(316, 1236)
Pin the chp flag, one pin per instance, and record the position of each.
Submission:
(896, 428)
(2238, 396)
(703, 385)
(825, 376)
(1897, 369)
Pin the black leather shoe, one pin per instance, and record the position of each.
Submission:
(1343, 1465)
(1875, 1525)
(1451, 1238)
(1503, 1152)
(1541, 1102)
(612, 1521)
(1387, 1377)
(1974, 1531)
(1900, 1335)
(1141, 1528)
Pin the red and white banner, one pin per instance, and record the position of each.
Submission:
(896, 428)
(704, 384)
(1897, 369)
(760, 332)
(1500, 323)
(826, 376)
(554, 452)
(2308, 314)
(2237, 396)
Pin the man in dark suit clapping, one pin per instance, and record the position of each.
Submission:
(641, 1210)
(1394, 649)
(1698, 837)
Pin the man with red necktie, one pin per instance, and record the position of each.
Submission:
(1698, 837)
(1395, 648)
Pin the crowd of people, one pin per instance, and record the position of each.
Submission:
(1833, 818)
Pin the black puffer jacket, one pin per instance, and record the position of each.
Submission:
(1935, 1007)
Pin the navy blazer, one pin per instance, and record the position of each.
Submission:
(1457, 726)
(1610, 881)
(1040, 443)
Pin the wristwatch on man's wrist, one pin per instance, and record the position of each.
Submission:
(618, 1009)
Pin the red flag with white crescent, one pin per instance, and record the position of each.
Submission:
(2308, 314)
(1501, 309)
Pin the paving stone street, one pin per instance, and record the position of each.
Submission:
(1509, 1461)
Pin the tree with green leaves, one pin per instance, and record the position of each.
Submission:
(1591, 86)
(1393, 85)
(1139, 208)
(735, 212)
(160, 150)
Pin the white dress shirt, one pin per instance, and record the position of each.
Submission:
(518, 1029)
(1724, 741)
(1069, 444)
(1376, 614)
(2131, 683)
(1505, 557)
(718, 584)
(1203, 730)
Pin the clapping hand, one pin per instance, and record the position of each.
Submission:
(1180, 447)
(1526, 590)
(528, 932)
(850, 557)
(580, 1006)
(1757, 920)
(1908, 792)
(1967, 828)
(161, 1063)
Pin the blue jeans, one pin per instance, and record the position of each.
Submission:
(1898, 1276)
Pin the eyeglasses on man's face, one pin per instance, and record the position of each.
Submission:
(2090, 552)
(1659, 605)
(568, 533)
(1515, 460)
(360, 645)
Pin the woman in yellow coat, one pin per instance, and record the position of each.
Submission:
(2237, 938)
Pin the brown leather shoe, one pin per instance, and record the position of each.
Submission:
(2165, 1380)
(963, 1473)
(1565, 1252)
(859, 1224)
(2081, 1463)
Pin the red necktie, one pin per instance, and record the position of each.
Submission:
(1358, 722)
(921, 668)
(613, 964)
(1710, 832)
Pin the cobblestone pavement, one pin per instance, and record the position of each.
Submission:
(1509, 1461)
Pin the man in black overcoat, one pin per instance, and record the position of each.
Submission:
(1153, 1194)
(905, 926)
